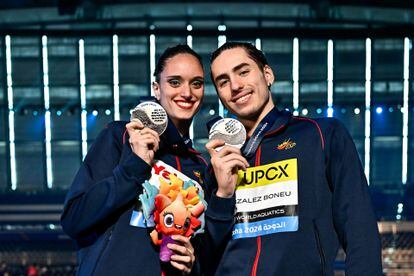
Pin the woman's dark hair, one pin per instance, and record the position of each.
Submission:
(250, 49)
(172, 52)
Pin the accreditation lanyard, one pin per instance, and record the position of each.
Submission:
(264, 126)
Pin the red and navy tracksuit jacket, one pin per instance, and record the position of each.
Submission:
(100, 202)
(304, 195)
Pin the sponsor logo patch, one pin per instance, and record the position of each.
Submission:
(287, 144)
(197, 174)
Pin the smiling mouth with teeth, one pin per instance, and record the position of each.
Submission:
(243, 99)
(185, 105)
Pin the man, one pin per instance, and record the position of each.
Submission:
(285, 203)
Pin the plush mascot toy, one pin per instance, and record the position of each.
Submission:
(174, 209)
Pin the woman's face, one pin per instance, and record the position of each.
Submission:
(181, 87)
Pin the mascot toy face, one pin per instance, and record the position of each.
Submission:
(174, 216)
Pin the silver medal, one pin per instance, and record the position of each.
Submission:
(231, 131)
(151, 115)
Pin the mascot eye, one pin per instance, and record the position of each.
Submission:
(187, 223)
(169, 220)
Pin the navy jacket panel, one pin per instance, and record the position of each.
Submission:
(99, 204)
(352, 210)
(103, 185)
(334, 207)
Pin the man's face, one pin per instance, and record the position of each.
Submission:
(241, 84)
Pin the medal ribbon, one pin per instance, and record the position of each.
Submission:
(250, 148)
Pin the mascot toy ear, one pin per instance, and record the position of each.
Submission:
(179, 197)
(162, 201)
(197, 209)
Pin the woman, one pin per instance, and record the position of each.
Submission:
(100, 202)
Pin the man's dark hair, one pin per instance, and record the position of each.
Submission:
(172, 52)
(250, 49)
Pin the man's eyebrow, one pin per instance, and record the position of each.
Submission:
(238, 67)
(220, 77)
(235, 69)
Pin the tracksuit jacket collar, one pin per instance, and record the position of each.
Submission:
(172, 139)
(270, 124)
(282, 119)
(278, 118)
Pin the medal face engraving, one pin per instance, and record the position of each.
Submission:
(151, 115)
(230, 130)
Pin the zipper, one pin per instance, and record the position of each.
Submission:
(320, 249)
(259, 238)
(256, 259)
(103, 249)
(177, 161)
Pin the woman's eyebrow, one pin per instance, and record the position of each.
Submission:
(198, 78)
(174, 77)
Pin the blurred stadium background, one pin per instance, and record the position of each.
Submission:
(67, 68)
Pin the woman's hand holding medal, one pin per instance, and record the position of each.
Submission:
(148, 121)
